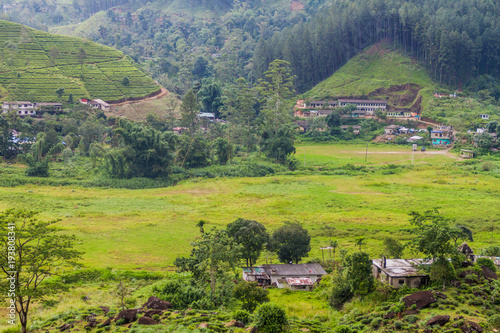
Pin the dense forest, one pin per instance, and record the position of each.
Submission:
(455, 40)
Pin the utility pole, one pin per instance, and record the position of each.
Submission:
(366, 154)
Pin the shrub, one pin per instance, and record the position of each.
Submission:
(398, 325)
(270, 318)
(243, 316)
(156, 317)
(121, 321)
(492, 251)
(343, 329)
(376, 322)
(486, 262)
(494, 321)
(411, 319)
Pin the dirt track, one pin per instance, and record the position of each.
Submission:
(164, 92)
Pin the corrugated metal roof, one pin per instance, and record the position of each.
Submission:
(299, 282)
(401, 267)
(294, 270)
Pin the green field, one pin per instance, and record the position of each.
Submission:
(149, 228)
(34, 64)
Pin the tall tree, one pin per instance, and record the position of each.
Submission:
(33, 251)
(359, 273)
(275, 90)
(251, 235)
(291, 242)
(189, 111)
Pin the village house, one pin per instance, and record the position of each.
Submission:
(316, 104)
(49, 107)
(207, 115)
(485, 116)
(399, 114)
(356, 129)
(294, 277)
(99, 104)
(368, 106)
(399, 272)
(391, 130)
(302, 125)
(443, 136)
(22, 108)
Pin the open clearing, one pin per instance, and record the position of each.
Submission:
(148, 229)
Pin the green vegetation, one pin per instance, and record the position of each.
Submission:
(42, 67)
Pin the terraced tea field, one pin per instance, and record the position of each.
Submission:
(34, 64)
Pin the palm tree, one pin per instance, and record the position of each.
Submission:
(360, 241)
(200, 225)
(334, 245)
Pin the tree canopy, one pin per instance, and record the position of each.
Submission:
(251, 235)
(291, 242)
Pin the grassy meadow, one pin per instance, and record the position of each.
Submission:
(149, 228)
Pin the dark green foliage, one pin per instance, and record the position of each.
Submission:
(486, 262)
(70, 99)
(125, 81)
(433, 234)
(493, 251)
(343, 329)
(376, 322)
(36, 168)
(359, 273)
(250, 294)
(442, 270)
(181, 294)
(278, 145)
(291, 242)
(244, 316)
(393, 248)
(223, 150)
(340, 292)
(146, 152)
(270, 318)
(333, 120)
(193, 152)
(210, 96)
(494, 321)
(60, 92)
(251, 235)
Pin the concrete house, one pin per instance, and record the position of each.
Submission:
(316, 104)
(399, 272)
(485, 116)
(207, 115)
(368, 106)
(442, 136)
(99, 104)
(399, 114)
(294, 277)
(22, 108)
(391, 130)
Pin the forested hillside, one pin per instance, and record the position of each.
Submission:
(455, 40)
(42, 67)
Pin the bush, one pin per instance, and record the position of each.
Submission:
(486, 262)
(494, 321)
(491, 251)
(343, 329)
(270, 318)
(398, 325)
(411, 319)
(376, 322)
(243, 316)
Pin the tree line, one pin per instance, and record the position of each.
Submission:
(454, 40)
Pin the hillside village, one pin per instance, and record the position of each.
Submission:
(171, 166)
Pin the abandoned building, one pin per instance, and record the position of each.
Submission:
(294, 277)
(391, 130)
(399, 272)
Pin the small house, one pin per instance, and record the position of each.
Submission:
(207, 115)
(399, 272)
(465, 153)
(179, 130)
(99, 104)
(344, 127)
(485, 116)
(332, 104)
(294, 277)
(356, 129)
(403, 130)
(316, 104)
(442, 136)
(302, 125)
(391, 130)
(324, 113)
(50, 107)
(358, 113)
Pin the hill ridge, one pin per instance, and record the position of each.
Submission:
(34, 64)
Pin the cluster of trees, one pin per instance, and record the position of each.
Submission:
(455, 40)
(257, 117)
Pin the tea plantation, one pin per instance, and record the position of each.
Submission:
(34, 64)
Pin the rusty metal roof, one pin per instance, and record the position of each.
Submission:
(401, 267)
(299, 282)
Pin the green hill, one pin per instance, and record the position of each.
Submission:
(382, 73)
(378, 73)
(34, 64)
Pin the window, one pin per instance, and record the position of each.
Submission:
(401, 281)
